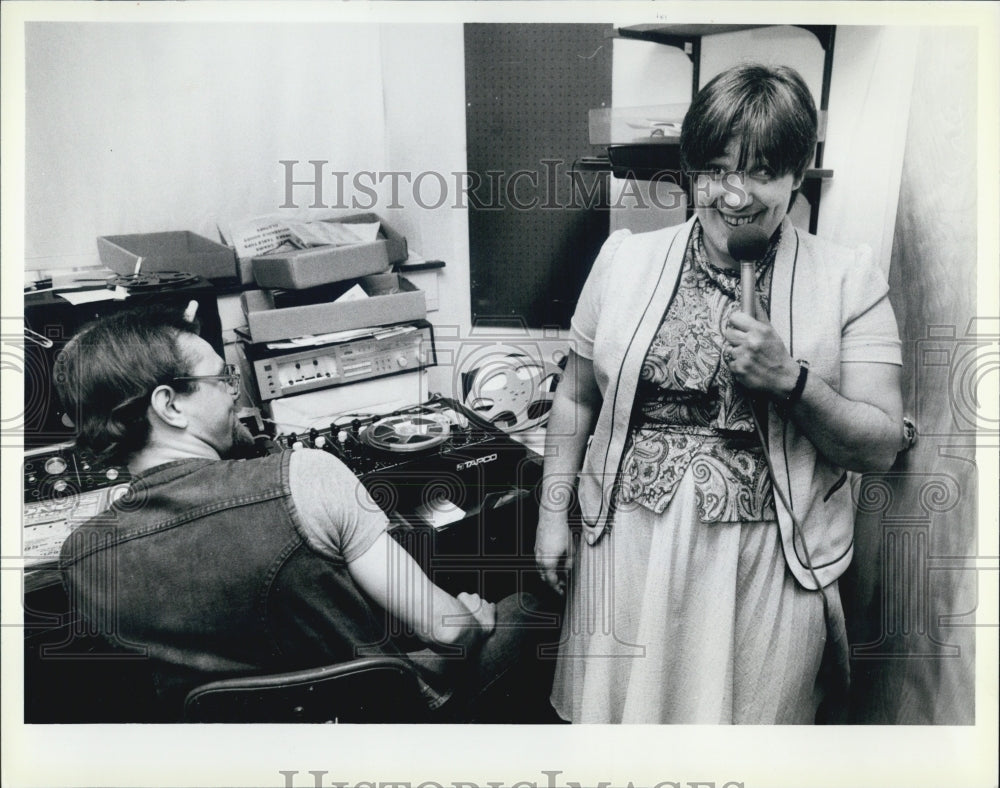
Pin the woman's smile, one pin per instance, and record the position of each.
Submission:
(738, 221)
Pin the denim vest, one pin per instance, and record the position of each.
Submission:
(202, 567)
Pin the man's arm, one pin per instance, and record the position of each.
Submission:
(342, 522)
(390, 576)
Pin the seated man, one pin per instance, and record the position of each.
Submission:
(218, 567)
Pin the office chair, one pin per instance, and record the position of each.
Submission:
(369, 689)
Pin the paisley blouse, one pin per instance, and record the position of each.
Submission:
(689, 412)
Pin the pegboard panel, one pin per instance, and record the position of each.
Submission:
(533, 235)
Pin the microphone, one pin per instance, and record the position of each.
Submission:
(747, 244)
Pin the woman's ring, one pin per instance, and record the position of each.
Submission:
(728, 355)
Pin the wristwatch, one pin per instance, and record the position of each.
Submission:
(793, 396)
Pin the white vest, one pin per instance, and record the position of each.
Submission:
(817, 289)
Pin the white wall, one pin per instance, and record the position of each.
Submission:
(424, 72)
(774, 46)
(135, 128)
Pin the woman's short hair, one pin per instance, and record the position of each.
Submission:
(107, 371)
(768, 109)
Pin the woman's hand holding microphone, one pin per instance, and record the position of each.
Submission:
(757, 356)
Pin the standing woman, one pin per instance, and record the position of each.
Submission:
(692, 594)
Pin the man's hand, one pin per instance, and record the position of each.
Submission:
(484, 612)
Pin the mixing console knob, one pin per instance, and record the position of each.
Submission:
(111, 474)
(342, 436)
(320, 442)
(55, 465)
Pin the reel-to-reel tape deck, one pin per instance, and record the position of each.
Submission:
(437, 439)
(460, 493)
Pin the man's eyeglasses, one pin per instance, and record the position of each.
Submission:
(231, 377)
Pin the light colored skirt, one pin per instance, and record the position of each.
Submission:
(672, 620)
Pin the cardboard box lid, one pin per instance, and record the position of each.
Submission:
(299, 269)
(171, 250)
(392, 299)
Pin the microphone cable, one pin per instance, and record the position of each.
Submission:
(747, 244)
(796, 523)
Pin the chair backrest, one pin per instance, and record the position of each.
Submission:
(370, 689)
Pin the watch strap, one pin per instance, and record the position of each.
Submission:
(793, 396)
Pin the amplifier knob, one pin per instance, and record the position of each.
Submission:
(402, 360)
(60, 486)
(111, 474)
(32, 479)
(342, 436)
(320, 442)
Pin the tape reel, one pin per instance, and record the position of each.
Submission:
(513, 392)
(408, 432)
